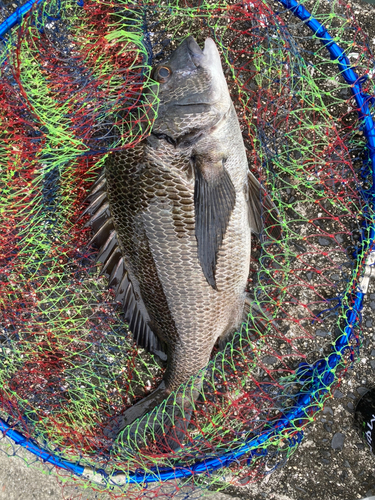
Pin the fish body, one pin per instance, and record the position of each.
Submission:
(155, 222)
(179, 209)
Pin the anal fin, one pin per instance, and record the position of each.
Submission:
(106, 239)
(263, 213)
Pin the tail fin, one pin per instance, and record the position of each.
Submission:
(171, 431)
(166, 428)
(263, 213)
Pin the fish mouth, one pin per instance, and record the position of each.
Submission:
(207, 56)
(189, 51)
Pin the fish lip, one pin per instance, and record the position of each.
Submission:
(195, 52)
(194, 107)
(193, 104)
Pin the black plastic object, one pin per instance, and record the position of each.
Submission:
(364, 418)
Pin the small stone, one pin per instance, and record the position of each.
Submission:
(360, 446)
(338, 441)
(362, 390)
(351, 395)
(299, 488)
(269, 360)
(372, 363)
(165, 42)
(327, 410)
(324, 242)
(323, 333)
(350, 406)
(346, 464)
(372, 304)
(369, 323)
(244, 480)
(339, 238)
(328, 427)
(373, 352)
(325, 461)
(335, 277)
(337, 394)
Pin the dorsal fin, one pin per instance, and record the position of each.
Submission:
(109, 254)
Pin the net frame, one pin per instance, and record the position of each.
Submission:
(353, 313)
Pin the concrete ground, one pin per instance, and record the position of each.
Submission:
(299, 480)
(40, 482)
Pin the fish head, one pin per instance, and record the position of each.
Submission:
(192, 90)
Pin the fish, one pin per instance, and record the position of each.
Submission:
(172, 218)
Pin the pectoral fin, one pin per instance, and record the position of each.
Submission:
(214, 200)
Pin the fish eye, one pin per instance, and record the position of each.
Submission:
(163, 73)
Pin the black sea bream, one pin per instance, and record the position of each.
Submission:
(177, 212)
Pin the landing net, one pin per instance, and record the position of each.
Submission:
(75, 85)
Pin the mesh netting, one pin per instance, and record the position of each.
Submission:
(75, 85)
